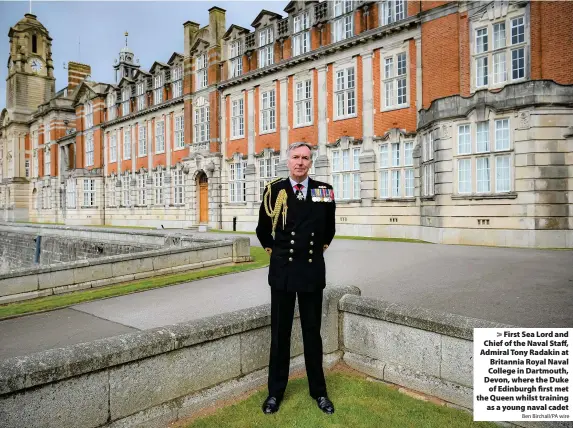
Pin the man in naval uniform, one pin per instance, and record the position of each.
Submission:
(296, 225)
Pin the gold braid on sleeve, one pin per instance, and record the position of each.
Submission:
(280, 203)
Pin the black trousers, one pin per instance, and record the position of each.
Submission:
(282, 313)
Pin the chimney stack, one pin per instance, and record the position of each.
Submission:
(76, 74)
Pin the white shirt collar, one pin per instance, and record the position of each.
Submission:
(294, 183)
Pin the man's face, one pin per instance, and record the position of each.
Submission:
(299, 163)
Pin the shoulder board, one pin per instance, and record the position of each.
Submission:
(274, 181)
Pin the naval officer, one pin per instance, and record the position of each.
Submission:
(296, 225)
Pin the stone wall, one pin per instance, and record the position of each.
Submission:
(17, 250)
(153, 377)
(162, 253)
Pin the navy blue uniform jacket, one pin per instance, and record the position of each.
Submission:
(297, 261)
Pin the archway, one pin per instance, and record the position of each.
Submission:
(203, 197)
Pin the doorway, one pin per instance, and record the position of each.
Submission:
(203, 184)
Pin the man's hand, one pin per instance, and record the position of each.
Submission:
(269, 251)
(324, 247)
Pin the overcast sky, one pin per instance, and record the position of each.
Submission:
(155, 30)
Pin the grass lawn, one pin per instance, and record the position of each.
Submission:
(358, 403)
(260, 259)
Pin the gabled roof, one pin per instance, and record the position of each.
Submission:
(93, 87)
(129, 80)
(173, 57)
(291, 5)
(140, 72)
(197, 43)
(157, 64)
(233, 27)
(264, 12)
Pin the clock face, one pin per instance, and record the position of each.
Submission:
(36, 65)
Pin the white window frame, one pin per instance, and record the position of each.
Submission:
(345, 173)
(428, 166)
(158, 88)
(142, 141)
(71, 198)
(178, 187)
(179, 129)
(345, 89)
(343, 22)
(202, 124)
(237, 182)
(202, 67)
(392, 11)
(27, 168)
(268, 117)
(111, 193)
(89, 192)
(395, 75)
(265, 55)
(235, 58)
(237, 118)
(89, 149)
(267, 171)
(47, 161)
(158, 182)
(493, 66)
(177, 81)
(126, 189)
(303, 99)
(125, 99)
(89, 116)
(159, 137)
(499, 131)
(396, 169)
(113, 147)
(142, 189)
(35, 156)
(127, 143)
(140, 93)
(301, 34)
(111, 106)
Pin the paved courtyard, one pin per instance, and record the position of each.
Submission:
(523, 287)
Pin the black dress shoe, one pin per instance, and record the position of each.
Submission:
(271, 405)
(325, 405)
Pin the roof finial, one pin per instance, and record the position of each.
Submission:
(126, 34)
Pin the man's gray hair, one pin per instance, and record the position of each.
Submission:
(296, 146)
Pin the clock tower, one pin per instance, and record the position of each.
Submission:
(30, 79)
(30, 83)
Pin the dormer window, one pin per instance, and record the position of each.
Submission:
(89, 116)
(344, 22)
(125, 96)
(177, 85)
(111, 109)
(158, 89)
(236, 58)
(392, 11)
(140, 92)
(301, 34)
(201, 62)
(266, 47)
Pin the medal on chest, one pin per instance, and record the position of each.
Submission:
(299, 195)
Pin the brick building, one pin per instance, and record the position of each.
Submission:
(445, 121)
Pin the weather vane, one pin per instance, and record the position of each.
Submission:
(126, 34)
